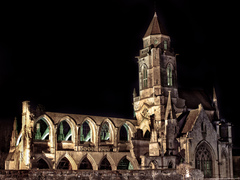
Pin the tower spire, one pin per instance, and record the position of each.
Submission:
(155, 27)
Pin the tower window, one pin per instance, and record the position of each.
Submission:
(165, 45)
(145, 77)
(169, 75)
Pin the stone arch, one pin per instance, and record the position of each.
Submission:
(131, 129)
(133, 163)
(205, 158)
(110, 160)
(46, 160)
(70, 159)
(51, 130)
(93, 127)
(72, 124)
(91, 160)
(111, 129)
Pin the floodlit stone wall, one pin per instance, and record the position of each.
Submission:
(96, 175)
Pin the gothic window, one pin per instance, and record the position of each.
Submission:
(85, 132)
(145, 77)
(85, 164)
(124, 164)
(64, 132)
(41, 130)
(169, 75)
(124, 133)
(104, 133)
(165, 45)
(41, 164)
(203, 160)
(64, 164)
(105, 165)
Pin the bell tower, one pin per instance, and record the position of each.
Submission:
(157, 77)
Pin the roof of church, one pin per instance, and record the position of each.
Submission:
(79, 118)
(155, 27)
(190, 121)
(195, 97)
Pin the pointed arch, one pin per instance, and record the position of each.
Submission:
(106, 131)
(42, 163)
(91, 160)
(51, 129)
(63, 159)
(104, 163)
(144, 76)
(93, 128)
(125, 164)
(205, 158)
(73, 127)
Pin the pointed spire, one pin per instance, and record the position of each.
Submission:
(155, 27)
(169, 114)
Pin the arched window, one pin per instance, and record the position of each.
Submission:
(145, 77)
(125, 164)
(41, 130)
(105, 165)
(64, 132)
(165, 45)
(203, 160)
(169, 75)
(85, 132)
(104, 133)
(124, 133)
(64, 164)
(85, 164)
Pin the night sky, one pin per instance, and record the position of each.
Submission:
(80, 57)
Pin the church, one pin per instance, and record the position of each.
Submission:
(170, 127)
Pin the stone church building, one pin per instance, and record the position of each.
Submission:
(171, 126)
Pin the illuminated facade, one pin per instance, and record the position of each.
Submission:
(171, 126)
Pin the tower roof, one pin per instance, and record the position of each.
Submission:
(155, 27)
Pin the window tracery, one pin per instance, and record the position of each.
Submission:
(203, 160)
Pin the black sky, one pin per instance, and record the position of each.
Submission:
(79, 57)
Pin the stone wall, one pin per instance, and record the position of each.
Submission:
(96, 175)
